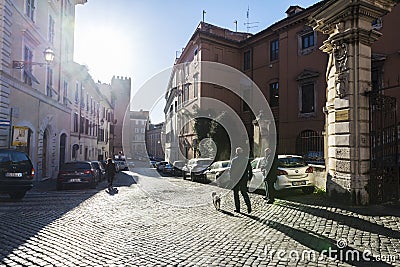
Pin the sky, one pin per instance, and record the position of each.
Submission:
(141, 38)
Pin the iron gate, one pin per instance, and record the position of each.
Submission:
(384, 180)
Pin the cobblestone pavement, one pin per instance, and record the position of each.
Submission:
(171, 222)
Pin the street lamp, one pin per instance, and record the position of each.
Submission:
(48, 56)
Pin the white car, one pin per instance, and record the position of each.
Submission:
(292, 172)
(217, 169)
(121, 165)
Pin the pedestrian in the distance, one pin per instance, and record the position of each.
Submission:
(241, 173)
(110, 172)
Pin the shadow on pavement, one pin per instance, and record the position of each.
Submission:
(319, 243)
(348, 220)
(321, 200)
(24, 219)
(227, 213)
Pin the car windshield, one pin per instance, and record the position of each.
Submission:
(291, 162)
(204, 162)
(179, 164)
(75, 166)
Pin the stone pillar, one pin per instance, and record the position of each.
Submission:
(349, 26)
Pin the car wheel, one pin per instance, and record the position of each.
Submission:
(308, 190)
(17, 195)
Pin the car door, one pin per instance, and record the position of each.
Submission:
(257, 182)
(211, 173)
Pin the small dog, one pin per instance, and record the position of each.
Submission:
(216, 200)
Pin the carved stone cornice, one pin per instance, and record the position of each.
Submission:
(326, 18)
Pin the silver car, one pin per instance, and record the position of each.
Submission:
(195, 168)
(217, 169)
(292, 172)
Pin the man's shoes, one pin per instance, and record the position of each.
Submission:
(271, 201)
(249, 210)
(238, 211)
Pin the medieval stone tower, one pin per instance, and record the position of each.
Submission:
(121, 95)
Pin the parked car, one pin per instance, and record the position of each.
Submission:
(292, 172)
(101, 169)
(77, 172)
(218, 169)
(195, 168)
(153, 163)
(16, 173)
(168, 169)
(122, 166)
(178, 166)
(160, 165)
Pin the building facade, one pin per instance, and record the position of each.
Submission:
(134, 134)
(31, 91)
(286, 62)
(53, 111)
(154, 141)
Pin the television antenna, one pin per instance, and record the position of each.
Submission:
(249, 24)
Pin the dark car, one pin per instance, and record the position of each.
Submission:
(168, 169)
(160, 165)
(101, 169)
(16, 173)
(77, 172)
(178, 165)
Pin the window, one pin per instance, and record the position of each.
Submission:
(307, 98)
(27, 76)
(30, 9)
(81, 124)
(307, 40)
(51, 29)
(49, 87)
(186, 93)
(87, 102)
(86, 126)
(76, 92)
(195, 84)
(274, 94)
(75, 122)
(65, 93)
(81, 98)
(274, 50)
(247, 60)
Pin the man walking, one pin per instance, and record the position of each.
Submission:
(110, 173)
(240, 173)
(269, 175)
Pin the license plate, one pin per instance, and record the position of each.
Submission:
(74, 180)
(13, 174)
(299, 183)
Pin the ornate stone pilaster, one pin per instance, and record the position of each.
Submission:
(348, 75)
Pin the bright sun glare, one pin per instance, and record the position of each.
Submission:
(107, 50)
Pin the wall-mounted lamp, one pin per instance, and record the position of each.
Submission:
(48, 56)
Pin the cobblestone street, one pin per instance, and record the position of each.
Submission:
(168, 221)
